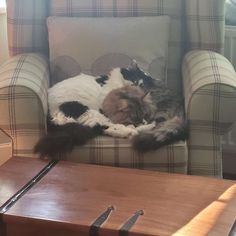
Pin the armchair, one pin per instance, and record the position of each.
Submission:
(207, 81)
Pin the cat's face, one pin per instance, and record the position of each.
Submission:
(129, 112)
(128, 105)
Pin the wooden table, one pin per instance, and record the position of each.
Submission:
(70, 197)
(14, 174)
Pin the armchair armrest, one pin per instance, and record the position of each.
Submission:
(210, 101)
(23, 101)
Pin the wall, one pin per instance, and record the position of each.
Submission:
(3, 38)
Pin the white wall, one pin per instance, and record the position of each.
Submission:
(3, 38)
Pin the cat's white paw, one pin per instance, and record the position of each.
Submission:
(120, 131)
(146, 127)
(60, 119)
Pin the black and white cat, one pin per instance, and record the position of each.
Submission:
(74, 112)
(75, 107)
(79, 99)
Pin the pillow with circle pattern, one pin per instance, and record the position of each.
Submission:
(96, 45)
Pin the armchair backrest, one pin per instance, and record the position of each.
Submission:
(195, 24)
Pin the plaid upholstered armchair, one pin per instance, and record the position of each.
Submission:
(194, 64)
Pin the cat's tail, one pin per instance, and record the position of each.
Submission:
(167, 132)
(63, 138)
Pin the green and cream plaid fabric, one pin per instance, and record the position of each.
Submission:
(127, 8)
(204, 21)
(27, 30)
(118, 152)
(205, 24)
(195, 24)
(23, 100)
(210, 98)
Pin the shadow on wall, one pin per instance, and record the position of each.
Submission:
(3, 38)
(229, 153)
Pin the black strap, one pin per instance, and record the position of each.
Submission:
(124, 230)
(94, 228)
(11, 201)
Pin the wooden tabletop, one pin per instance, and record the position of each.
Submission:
(15, 173)
(71, 196)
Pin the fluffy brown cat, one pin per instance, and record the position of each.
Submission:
(157, 112)
(128, 105)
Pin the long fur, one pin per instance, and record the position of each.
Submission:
(74, 105)
(64, 138)
(165, 133)
(162, 110)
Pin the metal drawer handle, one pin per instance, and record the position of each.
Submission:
(10, 202)
(94, 228)
(233, 230)
(124, 230)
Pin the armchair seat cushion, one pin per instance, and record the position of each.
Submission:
(118, 152)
